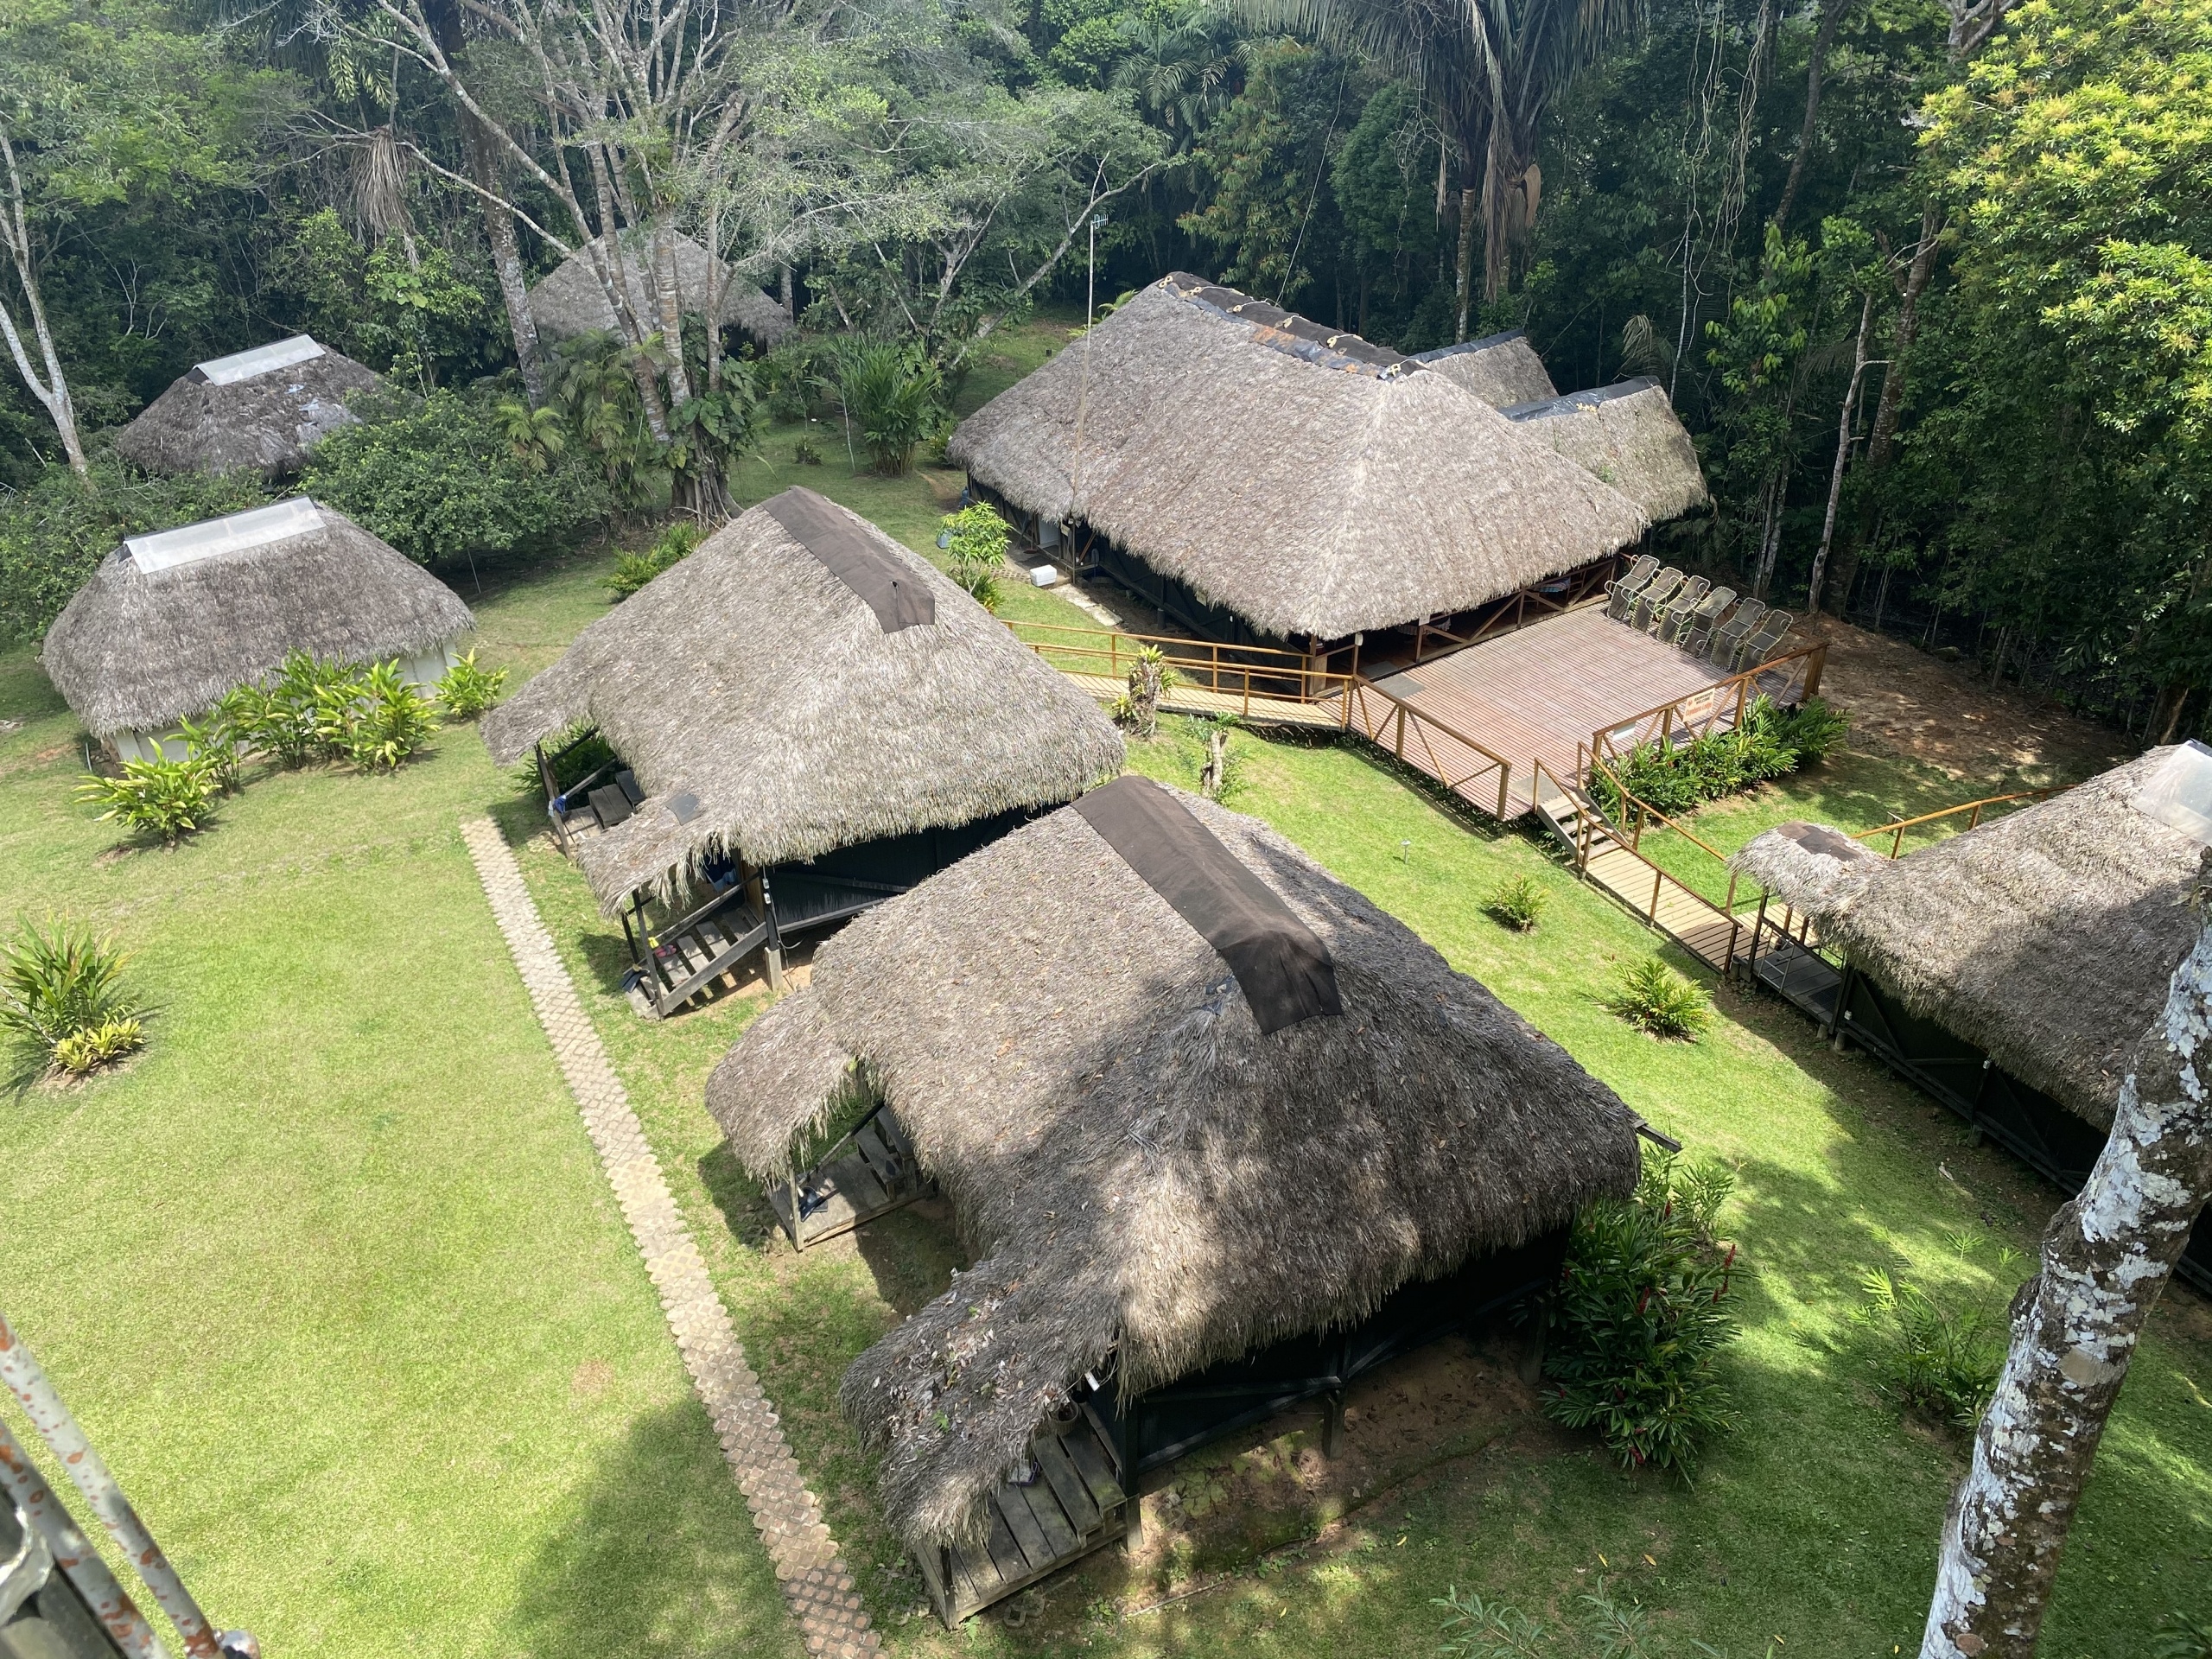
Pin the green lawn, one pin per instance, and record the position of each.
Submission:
(332, 1275)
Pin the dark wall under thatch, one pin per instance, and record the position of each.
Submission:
(267, 422)
(1136, 1167)
(751, 679)
(2046, 938)
(1312, 483)
(1629, 437)
(137, 650)
(570, 299)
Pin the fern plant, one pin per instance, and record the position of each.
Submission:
(1941, 1365)
(1653, 997)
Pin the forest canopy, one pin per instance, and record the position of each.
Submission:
(1930, 282)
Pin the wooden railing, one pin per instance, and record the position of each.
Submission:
(1245, 672)
(1896, 831)
(1447, 765)
(1718, 706)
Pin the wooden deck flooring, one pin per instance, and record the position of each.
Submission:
(1537, 693)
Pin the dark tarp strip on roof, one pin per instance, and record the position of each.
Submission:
(1285, 971)
(895, 593)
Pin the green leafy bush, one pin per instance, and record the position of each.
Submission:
(1636, 1327)
(54, 533)
(59, 982)
(385, 721)
(1772, 743)
(2180, 1636)
(1518, 902)
(894, 397)
(169, 799)
(1653, 997)
(300, 714)
(216, 742)
(805, 454)
(1939, 1363)
(976, 539)
(441, 477)
(633, 570)
(102, 1045)
(466, 690)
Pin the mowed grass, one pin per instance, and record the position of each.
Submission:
(1816, 1522)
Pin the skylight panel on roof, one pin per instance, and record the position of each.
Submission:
(2179, 793)
(298, 517)
(261, 359)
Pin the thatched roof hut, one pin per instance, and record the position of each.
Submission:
(569, 300)
(263, 409)
(1310, 482)
(2046, 938)
(803, 682)
(1188, 1094)
(1500, 369)
(169, 623)
(1629, 437)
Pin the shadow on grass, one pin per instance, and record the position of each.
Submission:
(659, 1557)
(743, 1206)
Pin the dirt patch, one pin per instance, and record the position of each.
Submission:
(1907, 703)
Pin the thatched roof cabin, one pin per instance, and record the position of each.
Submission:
(801, 682)
(263, 409)
(1500, 369)
(2046, 938)
(169, 623)
(1629, 437)
(569, 300)
(1299, 477)
(1189, 1095)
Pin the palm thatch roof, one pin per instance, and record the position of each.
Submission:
(263, 409)
(169, 623)
(1629, 437)
(569, 300)
(1307, 481)
(2046, 938)
(1500, 369)
(1140, 1168)
(772, 710)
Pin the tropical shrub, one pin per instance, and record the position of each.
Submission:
(975, 539)
(448, 476)
(216, 742)
(1636, 1328)
(59, 982)
(633, 570)
(1653, 997)
(1600, 1628)
(2180, 1636)
(1940, 1363)
(164, 797)
(466, 690)
(805, 454)
(893, 395)
(595, 385)
(1518, 902)
(55, 531)
(1150, 679)
(101, 1044)
(386, 721)
(1772, 743)
(303, 713)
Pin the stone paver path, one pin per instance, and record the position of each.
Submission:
(813, 1580)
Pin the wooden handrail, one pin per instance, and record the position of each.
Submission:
(1651, 811)
(1896, 831)
(1814, 655)
(1290, 658)
(1365, 686)
(1202, 662)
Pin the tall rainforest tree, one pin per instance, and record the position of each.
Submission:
(1489, 71)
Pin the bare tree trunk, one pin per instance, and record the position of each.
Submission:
(667, 299)
(507, 258)
(2106, 1258)
(53, 391)
(1771, 500)
(784, 288)
(1831, 17)
(1882, 438)
(1842, 459)
(1468, 208)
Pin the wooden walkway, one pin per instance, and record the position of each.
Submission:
(1537, 694)
(1190, 699)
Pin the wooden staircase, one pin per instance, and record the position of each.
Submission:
(683, 960)
(1609, 860)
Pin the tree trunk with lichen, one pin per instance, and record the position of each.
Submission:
(2106, 1258)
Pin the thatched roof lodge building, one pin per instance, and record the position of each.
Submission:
(2010, 971)
(1629, 436)
(1266, 1140)
(796, 721)
(1501, 369)
(263, 409)
(569, 300)
(1268, 480)
(170, 622)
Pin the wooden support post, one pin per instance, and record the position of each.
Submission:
(1532, 1354)
(1332, 1421)
(1813, 666)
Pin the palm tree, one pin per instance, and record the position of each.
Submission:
(1490, 70)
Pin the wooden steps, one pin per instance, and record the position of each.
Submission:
(1684, 915)
(870, 1172)
(1074, 1501)
(686, 963)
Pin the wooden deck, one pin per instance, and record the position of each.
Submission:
(1537, 694)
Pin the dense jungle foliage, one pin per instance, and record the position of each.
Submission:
(1931, 282)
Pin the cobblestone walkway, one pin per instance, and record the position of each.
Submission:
(814, 1581)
